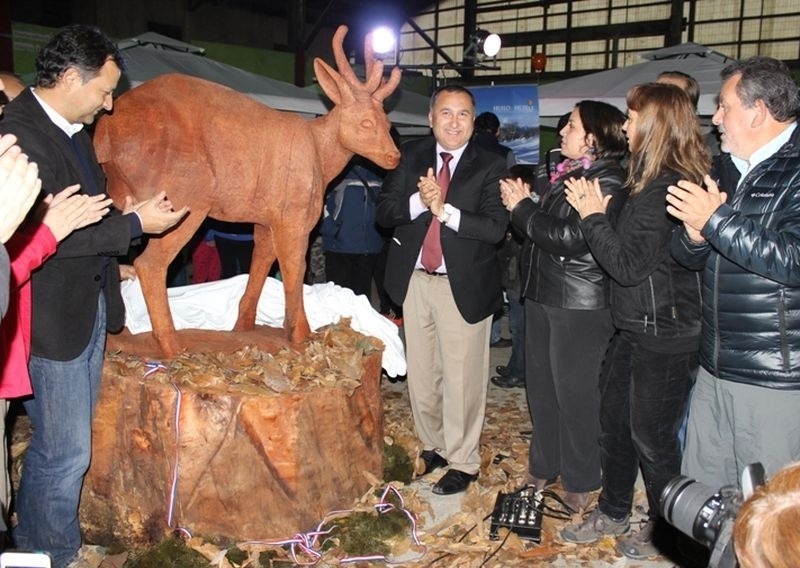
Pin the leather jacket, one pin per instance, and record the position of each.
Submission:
(557, 268)
(751, 279)
(651, 293)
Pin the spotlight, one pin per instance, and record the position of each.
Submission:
(383, 42)
(488, 43)
(482, 44)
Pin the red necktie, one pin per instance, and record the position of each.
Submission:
(432, 245)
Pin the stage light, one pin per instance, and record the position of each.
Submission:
(383, 41)
(488, 43)
(482, 44)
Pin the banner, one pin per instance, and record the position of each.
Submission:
(517, 107)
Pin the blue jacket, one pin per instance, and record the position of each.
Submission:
(751, 280)
(348, 226)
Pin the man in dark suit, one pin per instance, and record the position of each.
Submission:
(75, 295)
(443, 268)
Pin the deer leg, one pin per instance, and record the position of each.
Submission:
(151, 269)
(262, 261)
(292, 260)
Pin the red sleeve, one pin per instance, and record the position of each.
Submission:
(28, 250)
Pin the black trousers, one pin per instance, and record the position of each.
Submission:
(564, 353)
(643, 398)
(234, 256)
(352, 271)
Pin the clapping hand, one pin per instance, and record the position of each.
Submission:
(19, 186)
(156, 213)
(690, 203)
(512, 191)
(65, 211)
(430, 193)
(585, 196)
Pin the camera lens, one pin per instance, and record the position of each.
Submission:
(686, 503)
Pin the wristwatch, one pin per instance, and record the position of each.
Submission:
(444, 216)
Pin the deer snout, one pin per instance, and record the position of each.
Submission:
(392, 159)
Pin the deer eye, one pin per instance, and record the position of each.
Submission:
(367, 123)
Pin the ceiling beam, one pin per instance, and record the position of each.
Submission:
(590, 33)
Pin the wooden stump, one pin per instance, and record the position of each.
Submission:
(246, 446)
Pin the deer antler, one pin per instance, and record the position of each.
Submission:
(374, 68)
(341, 59)
(388, 87)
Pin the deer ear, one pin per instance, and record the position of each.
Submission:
(328, 79)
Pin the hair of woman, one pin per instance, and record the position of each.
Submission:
(604, 122)
(765, 534)
(667, 136)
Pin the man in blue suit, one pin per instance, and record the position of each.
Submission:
(443, 203)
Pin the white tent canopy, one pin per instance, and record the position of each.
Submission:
(611, 86)
(149, 55)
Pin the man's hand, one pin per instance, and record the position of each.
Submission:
(19, 186)
(690, 203)
(156, 213)
(430, 193)
(127, 272)
(66, 212)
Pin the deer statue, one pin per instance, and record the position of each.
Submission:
(234, 159)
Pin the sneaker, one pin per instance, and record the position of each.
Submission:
(639, 545)
(595, 526)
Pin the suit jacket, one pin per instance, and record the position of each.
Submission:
(66, 289)
(470, 254)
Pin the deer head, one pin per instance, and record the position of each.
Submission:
(363, 124)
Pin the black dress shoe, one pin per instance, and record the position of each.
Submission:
(502, 342)
(454, 481)
(432, 461)
(508, 382)
(502, 370)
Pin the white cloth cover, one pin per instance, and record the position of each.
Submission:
(215, 305)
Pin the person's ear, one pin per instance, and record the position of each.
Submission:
(761, 114)
(71, 79)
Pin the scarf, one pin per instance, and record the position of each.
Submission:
(565, 167)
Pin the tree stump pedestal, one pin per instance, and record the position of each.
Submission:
(251, 445)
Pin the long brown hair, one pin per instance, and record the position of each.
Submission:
(667, 136)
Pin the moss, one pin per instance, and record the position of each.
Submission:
(366, 533)
(266, 558)
(397, 465)
(169, 553)
(236, 556)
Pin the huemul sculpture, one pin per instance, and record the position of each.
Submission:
(234, 159)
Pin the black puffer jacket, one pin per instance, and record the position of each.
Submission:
(650, 292)
(751, 281)
(557, 267)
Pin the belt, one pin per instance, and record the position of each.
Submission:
(429, 273)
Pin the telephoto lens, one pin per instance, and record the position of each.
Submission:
(697, 510)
